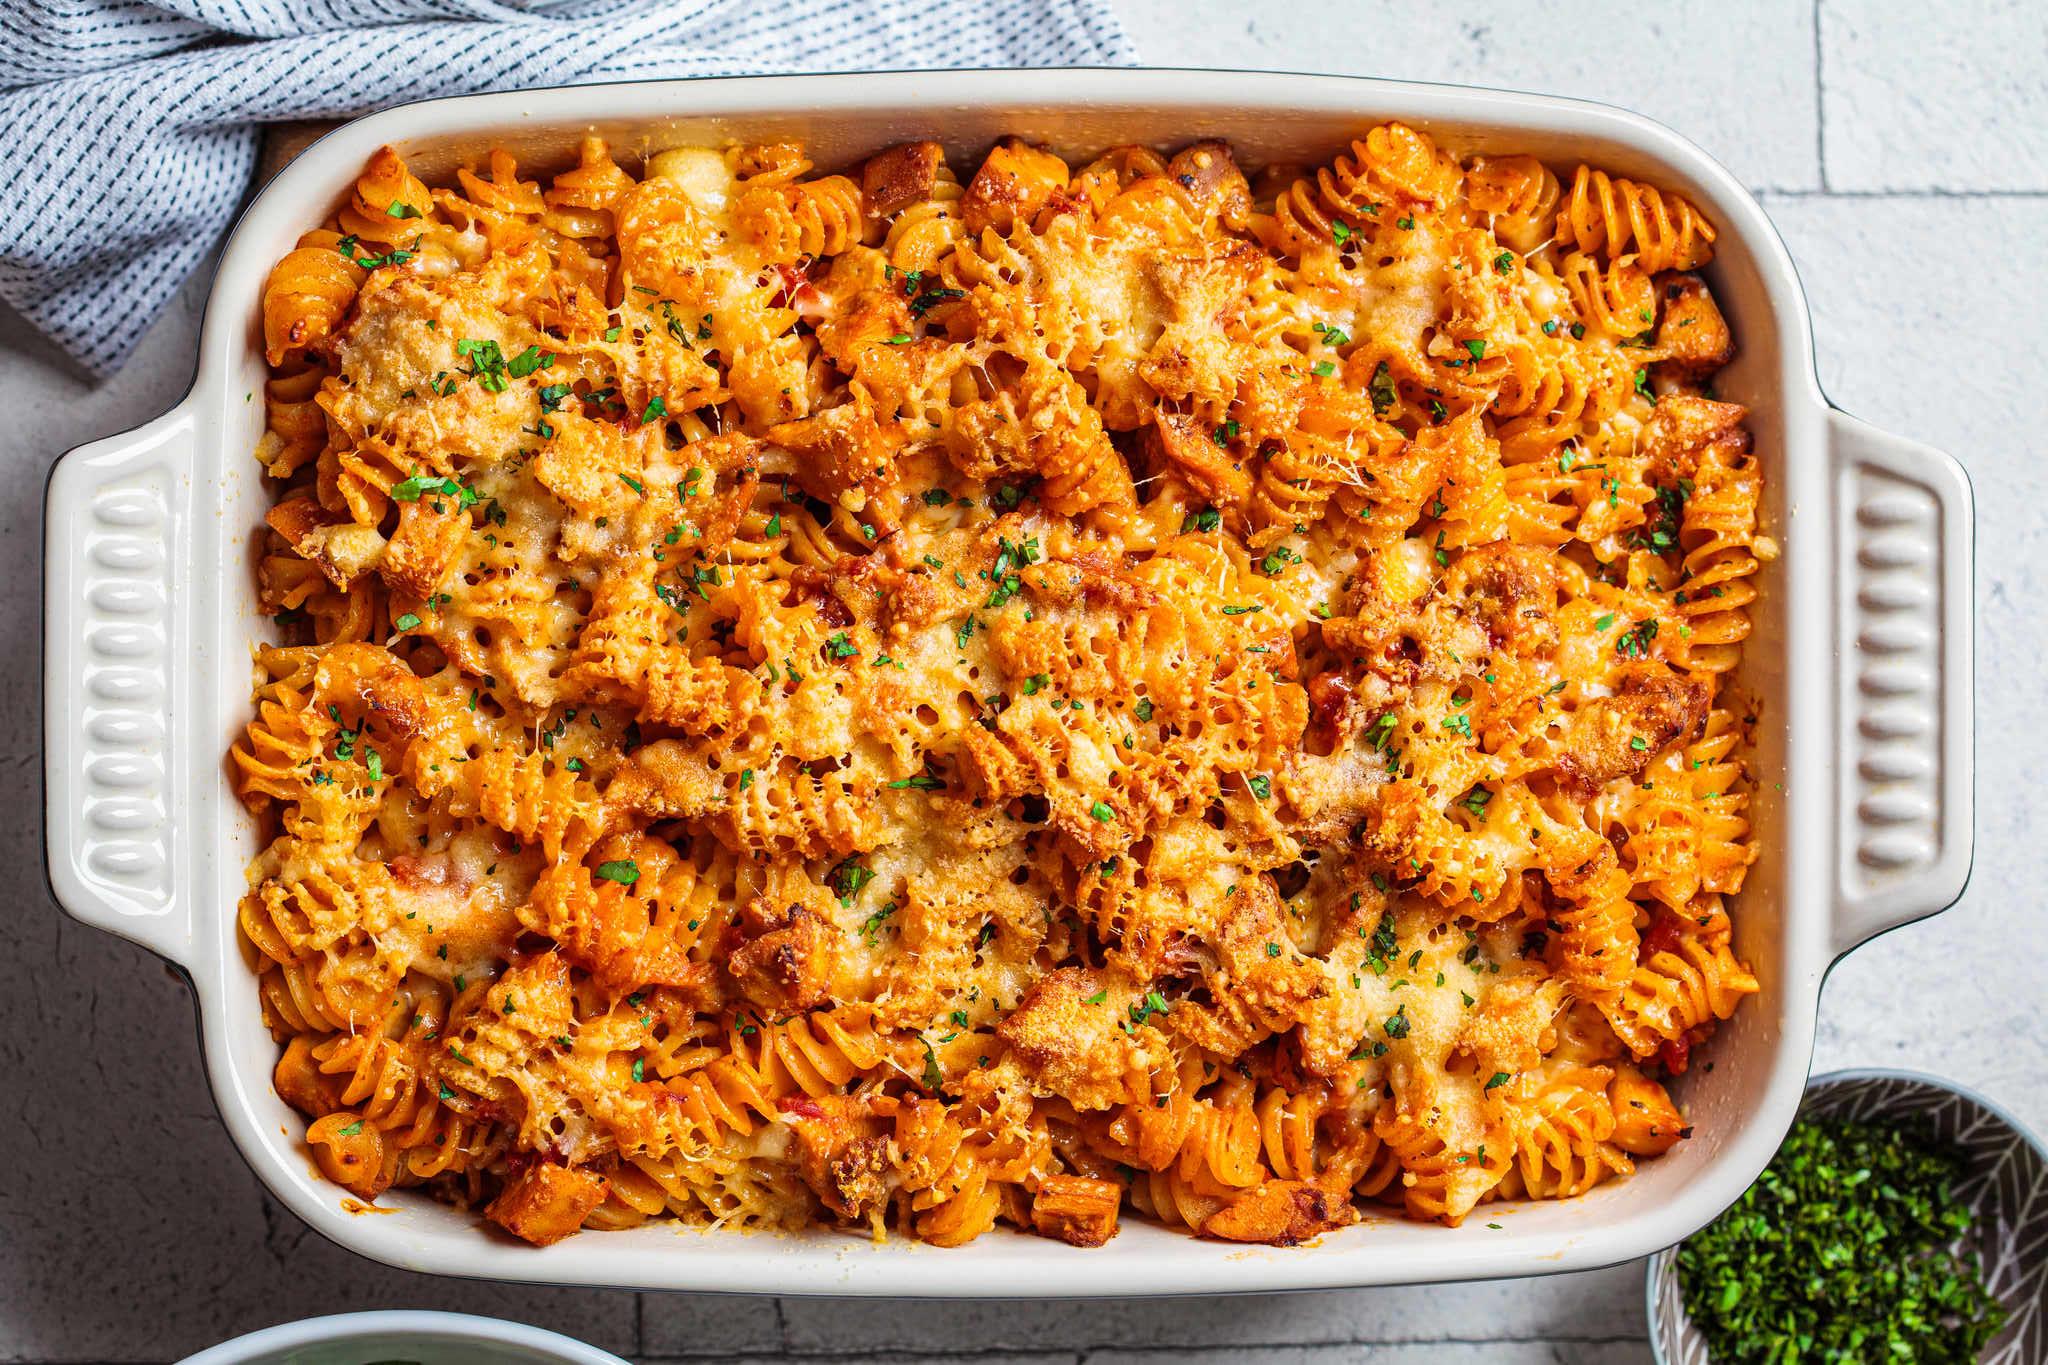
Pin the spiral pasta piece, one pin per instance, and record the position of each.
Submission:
(1610, 215)
(307, 294)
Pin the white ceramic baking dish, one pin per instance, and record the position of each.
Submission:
(1860, 665)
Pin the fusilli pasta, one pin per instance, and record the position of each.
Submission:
(922, 705)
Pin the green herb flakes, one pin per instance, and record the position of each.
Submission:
(623, 871)
(1845, 1250)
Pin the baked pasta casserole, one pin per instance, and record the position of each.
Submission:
(877, 700)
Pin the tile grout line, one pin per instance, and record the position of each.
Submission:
(1820, 102)
(1079, 1355)
(1919, 194)
(1083, 1352)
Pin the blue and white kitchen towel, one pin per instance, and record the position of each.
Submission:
(131, 126)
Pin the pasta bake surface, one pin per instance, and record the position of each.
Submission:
(869, 699)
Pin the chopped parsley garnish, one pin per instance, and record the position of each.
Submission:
(416, 487)
(872, 925)
(1381, 388)
(1384, 942)
(1635, 642)
(527, 361)
(1101, 811)
(1851, 1246)
(486, 363)
(409, 621)
(1153, 1003)
(1008, 557)
(923, 300)
(624, 871)
(347, 247)
(847, 880)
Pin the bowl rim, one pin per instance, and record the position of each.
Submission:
(339, 1328)
(1654, 1262)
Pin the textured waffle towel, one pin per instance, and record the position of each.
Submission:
(132, 125)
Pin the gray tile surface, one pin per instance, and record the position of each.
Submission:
(1919, 330)
(1737, 78)
(1933, 97)
(129, 1230)
(1598, 1306)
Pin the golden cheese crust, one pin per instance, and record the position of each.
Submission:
(911, 703)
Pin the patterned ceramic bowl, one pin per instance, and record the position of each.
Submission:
(416, 1338)
(2006, 1190)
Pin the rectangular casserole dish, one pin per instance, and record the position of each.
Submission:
(1859, 667)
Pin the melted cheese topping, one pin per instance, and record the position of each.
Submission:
(908, 706)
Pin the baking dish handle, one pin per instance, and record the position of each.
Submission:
(1904, 685)
(115, 517)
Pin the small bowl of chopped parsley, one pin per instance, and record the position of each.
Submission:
(1904, 1219)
